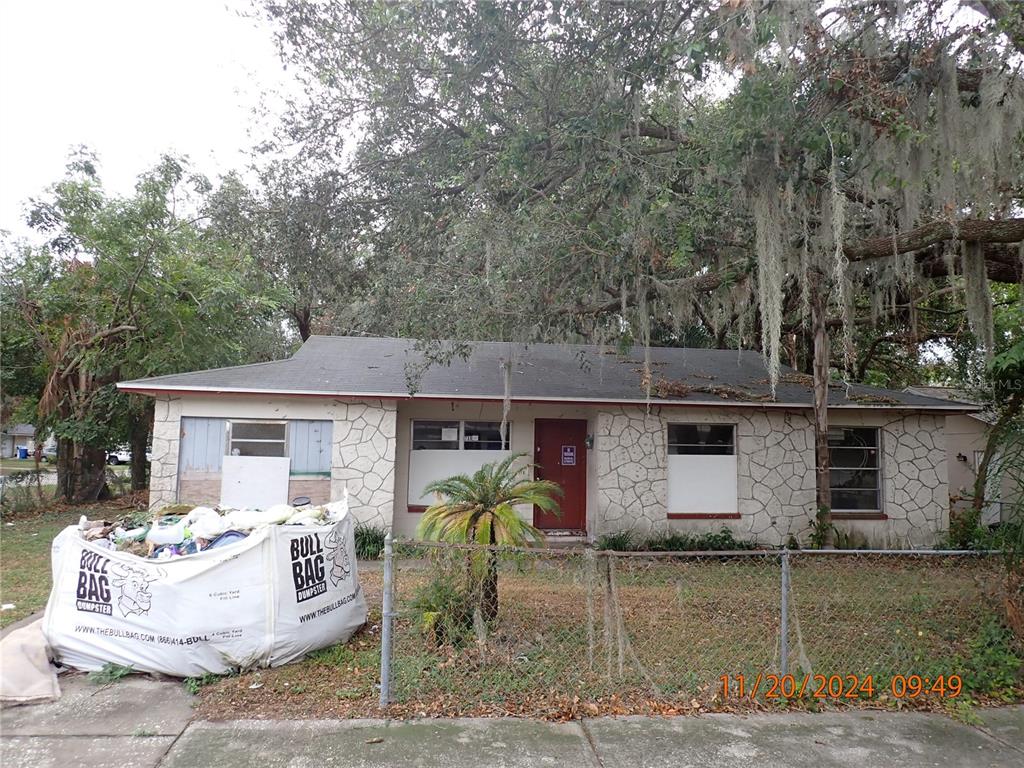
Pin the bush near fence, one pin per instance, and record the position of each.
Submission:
(588, 630)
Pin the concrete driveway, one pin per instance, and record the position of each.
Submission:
(141, 723)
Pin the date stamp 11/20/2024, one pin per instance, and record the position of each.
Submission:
(849, 687)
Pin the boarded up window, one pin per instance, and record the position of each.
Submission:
(202, 444)
(702, 470)
(436, 453)
(309, 446)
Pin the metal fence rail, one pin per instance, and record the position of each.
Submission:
(574, 627)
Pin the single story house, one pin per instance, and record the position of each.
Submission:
(703, 444)
(15, 436)
(966, 437)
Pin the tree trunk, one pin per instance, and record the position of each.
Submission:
(791, 351)
(819, 318)
(81, 472)
(90, 476)
(303, 321)
(65, 453)
(139, 427)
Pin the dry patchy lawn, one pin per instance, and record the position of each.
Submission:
(566, 644)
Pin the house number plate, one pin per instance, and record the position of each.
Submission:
(568, 455)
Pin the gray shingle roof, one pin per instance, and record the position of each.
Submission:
(20, 430)
(956, 395)
(384, 367)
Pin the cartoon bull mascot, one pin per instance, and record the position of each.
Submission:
(337, 552)
(133, 583)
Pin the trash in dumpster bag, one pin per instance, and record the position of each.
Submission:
(260, 600)
(174, 535)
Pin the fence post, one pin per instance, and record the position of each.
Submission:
(784, 623)
(386, 615)
(590, 579)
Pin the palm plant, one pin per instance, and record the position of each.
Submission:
(481, 509)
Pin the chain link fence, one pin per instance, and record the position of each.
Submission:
(532, 631)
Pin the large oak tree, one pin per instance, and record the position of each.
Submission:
(776, 174)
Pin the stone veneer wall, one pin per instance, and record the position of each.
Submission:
(775, 461)
(915, 486)
(363, 459)
(775, 483)
(163, 468)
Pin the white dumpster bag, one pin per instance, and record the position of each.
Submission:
(265, 600)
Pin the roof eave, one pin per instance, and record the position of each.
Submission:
(142, 388)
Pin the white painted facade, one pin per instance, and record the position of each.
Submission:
(764, 491)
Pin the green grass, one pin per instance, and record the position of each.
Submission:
(27, 499)
(195, 684)
(109, 673)
(18, 465)
(7, 466)
(25, 562)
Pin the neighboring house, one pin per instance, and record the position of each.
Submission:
(711, 448)
(15, 436)
(966, 435)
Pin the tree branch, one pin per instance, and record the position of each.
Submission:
(1009, 17)
(966, 230)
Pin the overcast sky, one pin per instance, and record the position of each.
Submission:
(131, 79)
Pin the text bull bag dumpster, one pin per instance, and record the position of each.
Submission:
(266, 600)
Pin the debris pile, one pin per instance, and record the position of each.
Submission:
(174, 535)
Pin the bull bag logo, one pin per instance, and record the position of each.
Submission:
(133, 589)
(341, 566)
(93, 592)
(102, 583)
(311, 558)
(308, 573)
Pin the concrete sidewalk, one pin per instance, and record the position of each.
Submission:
(141, 723)
(132, 722)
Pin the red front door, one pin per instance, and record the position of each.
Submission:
(560, 452)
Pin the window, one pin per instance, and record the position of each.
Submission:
(854, 469)
(441, 449)
(257, 438)
(700, 440)
(435, 435)
(702, 472)
(449, 435)
(484, 436)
